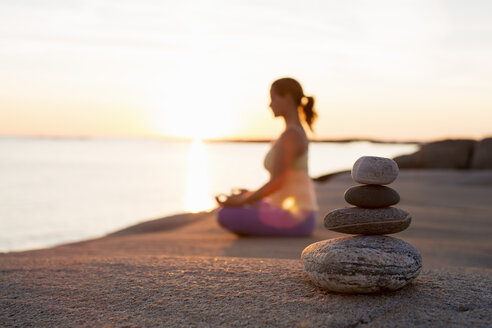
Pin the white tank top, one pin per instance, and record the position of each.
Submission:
(297, 192)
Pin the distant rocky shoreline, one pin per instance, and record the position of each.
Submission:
(450, 154)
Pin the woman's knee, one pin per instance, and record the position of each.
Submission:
(237, 219)
(228, 216)
(222, 217)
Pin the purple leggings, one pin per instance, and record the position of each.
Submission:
(266, 220)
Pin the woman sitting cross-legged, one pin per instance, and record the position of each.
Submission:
(286, 204)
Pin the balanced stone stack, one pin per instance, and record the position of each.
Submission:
(368, 262)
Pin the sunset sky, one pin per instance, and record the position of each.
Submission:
(392, 70)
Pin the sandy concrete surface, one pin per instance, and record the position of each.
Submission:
(166, 291)
(187, 271)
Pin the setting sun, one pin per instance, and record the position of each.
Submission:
(197, 100)
(198, 105)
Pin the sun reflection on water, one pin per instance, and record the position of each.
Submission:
(197, 197)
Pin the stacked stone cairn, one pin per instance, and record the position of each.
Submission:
(369, 262)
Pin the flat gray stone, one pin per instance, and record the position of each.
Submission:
(372, 196)
(374, 170)
(361, 264)
(368, 221)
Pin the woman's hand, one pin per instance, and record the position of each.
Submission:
(236, 199)
(231, 201)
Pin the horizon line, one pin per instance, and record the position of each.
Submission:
(244, 140)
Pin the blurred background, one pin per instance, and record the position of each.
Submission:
(108, 109)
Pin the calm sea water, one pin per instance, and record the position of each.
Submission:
(54, 191)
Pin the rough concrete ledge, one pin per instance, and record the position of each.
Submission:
(163, 291)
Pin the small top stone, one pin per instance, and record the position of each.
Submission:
(374, 170)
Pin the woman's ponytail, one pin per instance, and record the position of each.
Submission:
(288, 85)
(309, 113)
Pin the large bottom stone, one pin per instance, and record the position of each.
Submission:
(361, 264)
(368, 221)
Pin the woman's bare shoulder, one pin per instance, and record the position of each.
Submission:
(292, 139)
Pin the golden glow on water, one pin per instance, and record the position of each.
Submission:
(197, 197)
